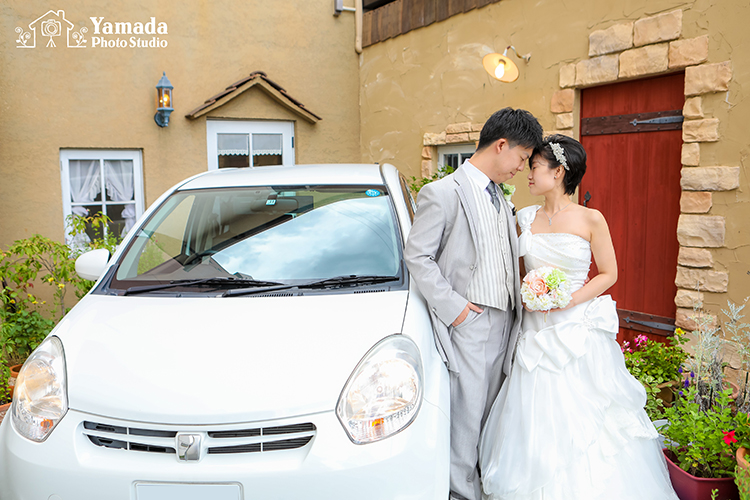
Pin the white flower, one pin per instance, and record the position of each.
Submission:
(508, 191)
(558, 297)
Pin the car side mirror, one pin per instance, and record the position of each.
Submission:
(91, 265)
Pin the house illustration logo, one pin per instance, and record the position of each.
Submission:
(50, 28)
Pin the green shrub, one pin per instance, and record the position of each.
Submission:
(26, 319)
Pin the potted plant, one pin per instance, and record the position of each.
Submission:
(658, 366)
(706, 428)
(702, 442)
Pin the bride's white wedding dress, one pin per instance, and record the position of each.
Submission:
(569, 421)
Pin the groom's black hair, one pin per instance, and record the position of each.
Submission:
(517, 126)
(575, 156)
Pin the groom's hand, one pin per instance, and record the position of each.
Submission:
(465, 312)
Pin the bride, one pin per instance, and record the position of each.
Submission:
(569, 421)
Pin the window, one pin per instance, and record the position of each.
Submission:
(284, 234)
(239, 143)
(454, 156)
(110, 182)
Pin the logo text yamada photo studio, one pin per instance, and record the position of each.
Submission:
(54, 27)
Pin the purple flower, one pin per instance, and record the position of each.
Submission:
(686, 384)
(679, 369)
(681, 393)
(692, 375)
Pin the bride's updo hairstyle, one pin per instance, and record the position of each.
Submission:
(571, 152)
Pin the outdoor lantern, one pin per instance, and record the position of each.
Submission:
(163, 101)
(500, 67)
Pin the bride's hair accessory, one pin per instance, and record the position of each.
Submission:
(559, 153)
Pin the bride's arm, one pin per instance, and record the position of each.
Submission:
(604, 255)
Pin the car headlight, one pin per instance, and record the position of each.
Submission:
(384, 392)
(40, 399)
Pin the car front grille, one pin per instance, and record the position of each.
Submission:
(218, 442)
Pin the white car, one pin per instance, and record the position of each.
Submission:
(255, 336)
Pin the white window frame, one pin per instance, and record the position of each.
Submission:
(100, 154)
(465, 149)
(215, 127)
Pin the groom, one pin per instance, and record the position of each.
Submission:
(463, 254)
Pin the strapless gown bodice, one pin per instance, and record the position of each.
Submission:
(568, 252)
(569, 423)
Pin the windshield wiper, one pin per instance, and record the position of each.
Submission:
(188, 283)
(352, 279)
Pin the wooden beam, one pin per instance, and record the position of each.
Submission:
(269, 89)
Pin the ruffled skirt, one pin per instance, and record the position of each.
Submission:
(569, 421)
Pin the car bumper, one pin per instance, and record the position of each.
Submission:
(412, 464)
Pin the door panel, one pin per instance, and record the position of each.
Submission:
(634, 180)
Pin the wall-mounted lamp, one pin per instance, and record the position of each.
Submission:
(163, 101)
(338, 8)
(500, 67)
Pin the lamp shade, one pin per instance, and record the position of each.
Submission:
(500, 67)
(164, 93)
(163, 101)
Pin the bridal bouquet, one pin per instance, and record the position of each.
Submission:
(545, 288)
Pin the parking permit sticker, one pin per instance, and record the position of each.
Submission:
(372, 192)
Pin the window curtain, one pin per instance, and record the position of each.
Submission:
(266, 144)
(85, 185)
(233, 144)
(118, 176)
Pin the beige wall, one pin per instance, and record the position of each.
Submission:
(377, 107)
(430, 78)
(61, 97)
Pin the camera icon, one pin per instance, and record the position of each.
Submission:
(51, 28)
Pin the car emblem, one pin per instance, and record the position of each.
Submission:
(188, 447)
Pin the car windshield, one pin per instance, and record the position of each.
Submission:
(271, 235)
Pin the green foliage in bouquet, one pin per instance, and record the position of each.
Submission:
(555, 279)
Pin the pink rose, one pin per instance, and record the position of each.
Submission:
(537, 285)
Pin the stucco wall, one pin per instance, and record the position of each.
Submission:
(62, 97)
(432, 77)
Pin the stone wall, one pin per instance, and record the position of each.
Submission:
(651, 46)
(428, 87)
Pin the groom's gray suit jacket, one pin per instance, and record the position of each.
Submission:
(441, 254)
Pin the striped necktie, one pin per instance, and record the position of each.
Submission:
(493, 195)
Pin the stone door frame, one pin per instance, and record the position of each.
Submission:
(653, 46)
(646, 47)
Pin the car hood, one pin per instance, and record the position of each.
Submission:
(219, 360)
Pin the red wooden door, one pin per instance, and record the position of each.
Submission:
(633, 178)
